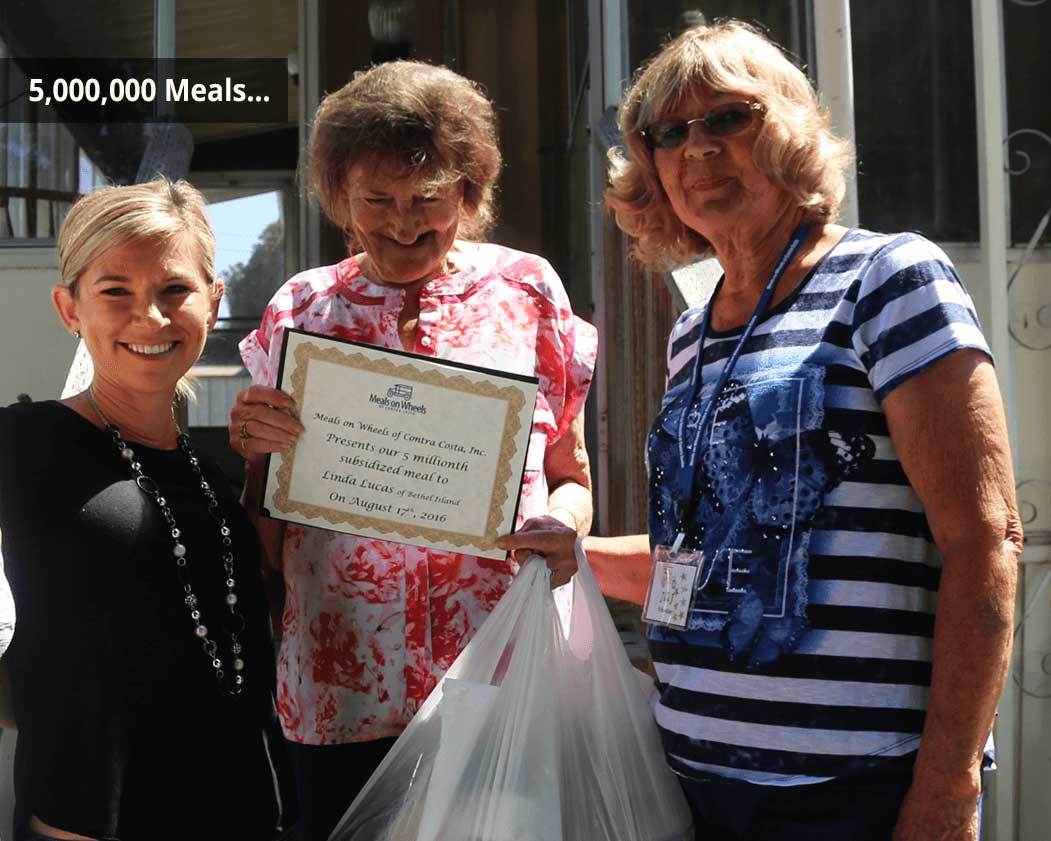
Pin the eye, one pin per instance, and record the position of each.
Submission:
(115, 291)
(178, 289)
(376, 200)
(669, 134)
(427, 199)
(731, 117)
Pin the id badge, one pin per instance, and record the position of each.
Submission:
(672, 586)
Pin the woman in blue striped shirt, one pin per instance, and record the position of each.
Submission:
(830, 475)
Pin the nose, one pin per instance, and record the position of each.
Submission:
(153, 311)
(407, 222)
(700, 144)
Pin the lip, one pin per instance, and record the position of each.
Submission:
(708, 183)
(416, 243)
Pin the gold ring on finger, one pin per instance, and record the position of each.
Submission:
(245, 434)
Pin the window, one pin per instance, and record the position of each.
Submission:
(914, 117)
(255, 235)
(651, 23)
(44, 166)
(1028, 63)
(253, 256)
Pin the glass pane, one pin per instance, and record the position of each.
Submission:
(43, 168)
(914, 117)
(250, 260)
(652, 22)
(1028, 61)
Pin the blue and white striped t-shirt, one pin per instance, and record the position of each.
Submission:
(808, 649)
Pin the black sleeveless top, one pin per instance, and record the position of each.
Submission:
(123, 730)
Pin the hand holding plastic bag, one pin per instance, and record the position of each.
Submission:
(532, 735)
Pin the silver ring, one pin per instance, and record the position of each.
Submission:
(244, 433)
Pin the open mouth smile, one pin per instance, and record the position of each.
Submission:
(150, 350)
(420, 240)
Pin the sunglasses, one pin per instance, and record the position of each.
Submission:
(722, 121)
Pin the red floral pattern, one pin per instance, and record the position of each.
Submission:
(370, 626)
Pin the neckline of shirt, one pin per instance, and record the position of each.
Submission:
(84, 422)
(791, 297)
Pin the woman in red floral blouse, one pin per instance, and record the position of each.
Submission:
(404, 159)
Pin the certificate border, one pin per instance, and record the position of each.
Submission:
(513, 398)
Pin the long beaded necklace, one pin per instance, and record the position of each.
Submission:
(149, 487)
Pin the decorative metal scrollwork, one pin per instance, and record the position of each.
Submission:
(1027, 325)
(1031, 669)
(1034, 507)
(1027, 161)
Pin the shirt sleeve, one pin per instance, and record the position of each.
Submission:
(261, 349)
(912, 310)
(683, 344)
(567, 347)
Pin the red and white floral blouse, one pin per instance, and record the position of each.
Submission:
(369, 626)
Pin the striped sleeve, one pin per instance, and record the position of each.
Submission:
(912, 309)
(682, 346)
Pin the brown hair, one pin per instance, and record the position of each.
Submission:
(795, 147)
(440, 125)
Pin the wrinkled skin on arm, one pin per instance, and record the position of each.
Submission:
(568, 472)
(949, 429)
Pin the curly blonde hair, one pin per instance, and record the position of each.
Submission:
(795, 147)
(440, 125)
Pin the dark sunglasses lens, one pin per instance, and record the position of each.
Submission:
(667, 135)
(729, 120)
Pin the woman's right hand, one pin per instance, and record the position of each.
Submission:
(263, 421)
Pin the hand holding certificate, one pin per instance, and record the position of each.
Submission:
(400, 447)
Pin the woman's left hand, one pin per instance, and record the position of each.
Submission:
(550, 538)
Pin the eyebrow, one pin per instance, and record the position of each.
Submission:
(119, 278)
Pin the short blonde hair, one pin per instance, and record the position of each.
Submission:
(114, 216)
(435, 122)
(795, 147)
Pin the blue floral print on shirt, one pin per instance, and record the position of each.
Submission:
(766, 463)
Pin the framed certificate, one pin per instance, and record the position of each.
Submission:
(400, 447)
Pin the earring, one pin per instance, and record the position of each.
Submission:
(76, 333)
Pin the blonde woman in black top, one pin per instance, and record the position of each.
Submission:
(141, 667)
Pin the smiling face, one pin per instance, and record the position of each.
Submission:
(404, 227)
(712, 183)
(143, 309)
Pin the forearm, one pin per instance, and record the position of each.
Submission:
(621, 565)
(972, 649)
(572, 499)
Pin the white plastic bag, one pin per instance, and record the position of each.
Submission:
(534, 734)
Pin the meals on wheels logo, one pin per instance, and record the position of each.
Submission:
(398, 399)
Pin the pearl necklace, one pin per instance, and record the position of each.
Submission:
(149, 487)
